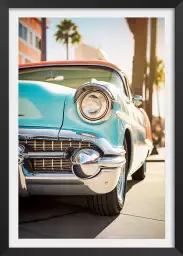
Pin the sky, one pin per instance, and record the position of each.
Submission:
(113, 36)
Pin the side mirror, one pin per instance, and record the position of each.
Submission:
(138, 101)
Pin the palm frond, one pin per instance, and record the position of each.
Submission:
(66, 30)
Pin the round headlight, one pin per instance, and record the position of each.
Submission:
(94, 106)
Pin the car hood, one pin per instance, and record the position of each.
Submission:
(41, 104)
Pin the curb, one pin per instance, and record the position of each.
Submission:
(155, 160)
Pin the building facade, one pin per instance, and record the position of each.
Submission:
(29, 40)
(87, 52)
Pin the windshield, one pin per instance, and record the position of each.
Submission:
(72, 76)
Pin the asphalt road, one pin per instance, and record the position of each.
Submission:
(68, 217)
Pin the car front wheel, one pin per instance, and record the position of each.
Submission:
(111, 204)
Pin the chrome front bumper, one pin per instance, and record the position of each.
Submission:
(104, 180)
(69, 184)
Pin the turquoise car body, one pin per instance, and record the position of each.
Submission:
(58, 112)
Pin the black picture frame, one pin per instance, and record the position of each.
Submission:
(4, 123)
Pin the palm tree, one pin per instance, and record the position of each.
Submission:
(67, 32)
(138, 27)
(159, 82)
(152, 66)
(159, 79)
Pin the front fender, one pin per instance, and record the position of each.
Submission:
(112, 129)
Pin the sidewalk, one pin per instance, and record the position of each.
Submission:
(157, 158)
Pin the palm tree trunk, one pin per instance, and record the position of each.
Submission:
(152, 73)
(152, 66)
(67, 50)
(157, 97)
(43, 39)
(159, 117)
(139, 29)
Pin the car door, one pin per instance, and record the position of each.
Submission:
(138, 128)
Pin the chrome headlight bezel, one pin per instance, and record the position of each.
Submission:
(104, 116)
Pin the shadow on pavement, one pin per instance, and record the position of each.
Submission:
(131, 183)
(60, 217)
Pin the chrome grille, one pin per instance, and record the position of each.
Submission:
(49, 165)
(52, 164)
(55, 145)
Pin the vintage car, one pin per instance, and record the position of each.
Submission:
(81, 132)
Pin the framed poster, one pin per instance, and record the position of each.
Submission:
(141, 230)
